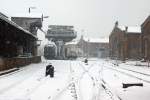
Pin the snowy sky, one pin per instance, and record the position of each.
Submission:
(95, 17)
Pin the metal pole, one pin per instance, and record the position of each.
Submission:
(29, 10)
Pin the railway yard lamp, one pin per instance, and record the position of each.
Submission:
(31, 8)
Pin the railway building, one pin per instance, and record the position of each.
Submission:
(18, 45)
(125, 42)
(31, 22)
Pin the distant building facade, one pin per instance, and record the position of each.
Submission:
(125, 42)
(72, 50)
(94, 47)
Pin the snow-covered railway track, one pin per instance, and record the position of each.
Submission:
(106, 87)
(86, 71)
(134, 71)
(100, 82)
(138, 72)
(72, 89)
(109, 91)
(128, 73)
(70, 86)
(72, 83)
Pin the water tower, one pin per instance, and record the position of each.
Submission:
(60, 34)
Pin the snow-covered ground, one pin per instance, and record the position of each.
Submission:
(30, 82)
(74, 80)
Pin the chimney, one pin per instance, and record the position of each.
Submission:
(116, 24)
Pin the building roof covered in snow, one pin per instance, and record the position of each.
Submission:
(16, 26)
(146, 21)
(130, 29)
(3, 15)
(28, 15)
(96, 40)
(72, 43)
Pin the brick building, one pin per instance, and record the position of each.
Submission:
(146, 38)
(125, 42)
(94, 47)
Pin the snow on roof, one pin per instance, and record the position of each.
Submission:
(17, 26)
(123, 28)
(72, 42)
(96, 40)
(134, 29)
(146, 21)
(50, 43)
(131, 29)
(28, 15)
(3, 15)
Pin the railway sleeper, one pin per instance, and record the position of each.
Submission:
(126, 85)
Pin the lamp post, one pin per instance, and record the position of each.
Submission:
(44, 17)
(31, 8)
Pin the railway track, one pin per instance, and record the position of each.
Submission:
(132, 70)
(70, 86)
(107, 89)
(102, 83)
(128, 72)
(131, 73)
(73, 83)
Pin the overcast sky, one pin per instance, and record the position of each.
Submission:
(95, 17)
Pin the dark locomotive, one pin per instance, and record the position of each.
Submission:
(50, 51)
